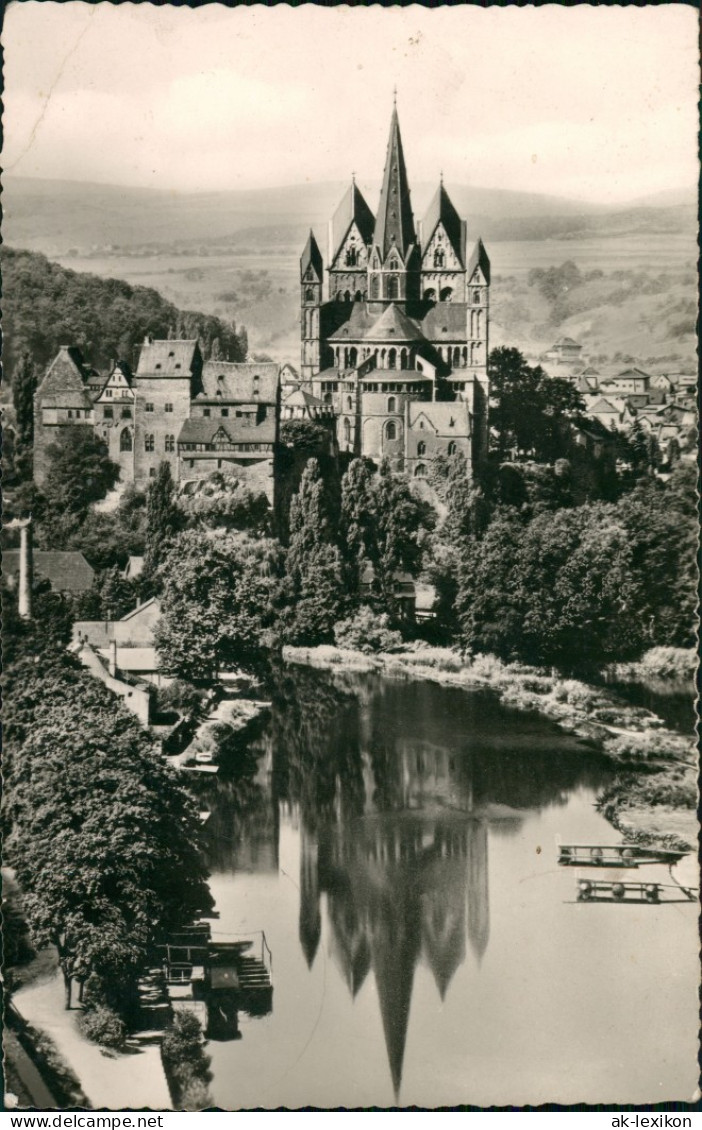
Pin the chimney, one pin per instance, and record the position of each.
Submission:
(112, 666)
(26, 570)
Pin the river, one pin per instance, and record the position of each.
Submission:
(395, 840)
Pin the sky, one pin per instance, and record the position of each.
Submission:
(594, 103)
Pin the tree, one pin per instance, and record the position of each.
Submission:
(381, 531)
(24, 385)
(314, 570)
(305, 435)
(585, 585)
(357, 523)
(400, 519)
(164, 519)
(103, 838)
(226, 502)
(80, 470)
(219, 598)
(529, 411)
(117, 594)
(467, 515)
(45, 305)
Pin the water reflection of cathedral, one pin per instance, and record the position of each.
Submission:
(403, 886)
(388, 791)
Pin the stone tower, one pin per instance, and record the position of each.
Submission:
(311, 278)
(393, 270)
(404, 325)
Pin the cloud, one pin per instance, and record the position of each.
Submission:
(213, 97)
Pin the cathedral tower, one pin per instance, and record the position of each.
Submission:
(311, 277)
(350, 233)
(443, 237)
(393, 274)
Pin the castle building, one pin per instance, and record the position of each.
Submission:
(404, 322)
(196, 416)
(62, 399)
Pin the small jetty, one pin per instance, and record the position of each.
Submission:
(216, 979)
(614, 855)
(628, 890)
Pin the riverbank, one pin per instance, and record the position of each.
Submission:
(131, 1079)
(654, 796)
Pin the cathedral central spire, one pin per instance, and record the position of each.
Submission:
(394, 225)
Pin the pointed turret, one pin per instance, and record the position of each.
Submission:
(394, 224)
(441, 211)
(353, 210)
(479, 262)
(311, 279)
(311, 260)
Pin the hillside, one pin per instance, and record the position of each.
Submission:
(60, 217)
(46, 305)
(236, 255)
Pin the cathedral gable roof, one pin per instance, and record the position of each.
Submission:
(352, 210)
(446, 321)
(355, 328)
(394, 224)
(312, 257)
(393, 325)
(442, 211)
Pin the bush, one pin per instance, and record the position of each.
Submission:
(186, 1064)
(179, 695)
(366, 631)
(195, 1095)
(103, 1026)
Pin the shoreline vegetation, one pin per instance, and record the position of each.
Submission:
(653, 798)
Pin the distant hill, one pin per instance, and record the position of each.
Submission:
(46, 305)
(60, 217)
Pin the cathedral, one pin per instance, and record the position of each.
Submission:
(398, 345)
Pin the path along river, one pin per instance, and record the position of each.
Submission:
(396, 842)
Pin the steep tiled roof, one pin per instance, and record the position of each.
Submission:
(447, 417)
(566, 343)
(167, 358)
(394, 223)
(65, 381)
(148, 605)
(447, 321)
(393, 325)
(600, 404)
(355, 328)
(65, 571)
(633, 372)
(203, 430)
(352, 209)
(479, 258)
(238, 381)
(301, 396)
(312, 257)
(442, 211)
